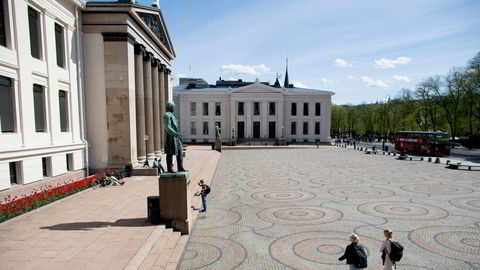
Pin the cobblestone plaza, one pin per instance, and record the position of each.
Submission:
(295, 209)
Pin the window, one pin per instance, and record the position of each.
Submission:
(218, 110)
(46, 165)
(240, 108)
(63, 104)
(193, 108)
(317, 128)
(13, 173)
(294, 109)
(69, 162)
(39, 108)
(6, 105)
(256, 108)
(193, 128)
(59, 41)
(205, 128)
(271, 108)
(305, 109)
(33, 21)
(305, 128)
(205, 108)
(3, 24)
(317, 109)
(293, 128)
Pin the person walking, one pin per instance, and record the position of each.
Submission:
(386, 249)
(355, 254)
(204, 193)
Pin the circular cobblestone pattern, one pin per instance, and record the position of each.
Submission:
(361, 192)
(274, 183)
(436, 189)
(212, 253)
(218, 218)
(467, 203)
(299, 215)
(460, 243)
(402, 211)
(283, 196)
(308, 250)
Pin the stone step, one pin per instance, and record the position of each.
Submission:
(138, 259)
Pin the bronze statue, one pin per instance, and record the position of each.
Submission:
(217, 132)
(173, 141)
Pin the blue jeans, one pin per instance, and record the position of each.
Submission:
(204, 203)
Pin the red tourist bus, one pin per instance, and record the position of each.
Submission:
(428, 143)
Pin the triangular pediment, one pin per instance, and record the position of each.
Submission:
(257, 88)
(153, 21)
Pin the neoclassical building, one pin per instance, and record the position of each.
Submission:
(82, 85)
(254, 112)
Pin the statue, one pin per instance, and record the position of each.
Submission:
(173, 141)
(217, 132)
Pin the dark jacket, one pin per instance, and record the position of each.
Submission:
(350, 253)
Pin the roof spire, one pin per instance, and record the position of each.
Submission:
(277, 83)
(286, 84)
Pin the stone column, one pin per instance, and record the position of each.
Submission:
(161, 86)
(147, 81)
(166, 81)
(140, 103)
(156, 109)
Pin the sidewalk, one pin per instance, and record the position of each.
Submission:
(101, 229)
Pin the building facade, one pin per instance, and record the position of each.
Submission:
(41, 125)
(82, 85)
(254, 111)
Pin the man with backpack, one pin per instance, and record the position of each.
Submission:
(355, 253)
(392, 251)
(203, 193)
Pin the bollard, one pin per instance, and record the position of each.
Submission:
(389, 153)
(394, 154)
(421, 159)
(448, 162)
(410, 158)
(429, 159)
(437, 160)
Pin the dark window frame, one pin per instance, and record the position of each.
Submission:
(317, 128)
(60, 45)
(293, 128)
(272, 108)
(305, 108)
(205, 108)
(218, 108)
(193, 108)
(241, 108)
(39, 109)
(256, 108)
(318, 109)
(305, 128)
(3, 22)
(205, 128)
(12, 166)
(193, 128)
(293, 109)
(63, 115)
(7, 105)
(34, 32)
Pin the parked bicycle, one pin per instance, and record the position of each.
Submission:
(106, 179)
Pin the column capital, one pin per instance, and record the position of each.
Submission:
(148, 57)
(167, 71)
(161, 67)
(155, 62)
(139, 49)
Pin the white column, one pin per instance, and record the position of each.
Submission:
(147, 81)
(140, 103)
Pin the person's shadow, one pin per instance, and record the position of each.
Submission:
(87, 226)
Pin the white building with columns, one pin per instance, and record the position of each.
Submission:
(254, 112)
(82, 85)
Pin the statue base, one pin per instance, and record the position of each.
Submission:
(173, 200)
(218, 145)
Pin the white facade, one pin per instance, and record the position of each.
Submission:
(264, 124)
(37, 154)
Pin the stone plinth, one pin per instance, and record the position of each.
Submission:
(173, 199)
(218, 145)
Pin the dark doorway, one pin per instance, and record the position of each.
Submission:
(256, 130)
(271, 130)
(241, 130)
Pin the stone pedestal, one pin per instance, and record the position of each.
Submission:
(173, 200)
(218, 145)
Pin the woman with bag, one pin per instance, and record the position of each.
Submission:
(355, 254)
(386, 249)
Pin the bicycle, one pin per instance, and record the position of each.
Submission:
(106, 180)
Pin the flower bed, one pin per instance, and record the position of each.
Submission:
(14, 206)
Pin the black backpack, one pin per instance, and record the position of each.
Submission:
(361, 257)
(396, 252)
(207, 190)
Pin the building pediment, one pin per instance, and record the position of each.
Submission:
(258, 88)
(153, 20)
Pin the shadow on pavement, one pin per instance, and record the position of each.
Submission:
(87, 226)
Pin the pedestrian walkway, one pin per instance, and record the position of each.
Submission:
(295, 209)
(101, 229)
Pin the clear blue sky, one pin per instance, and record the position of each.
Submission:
(362, 50)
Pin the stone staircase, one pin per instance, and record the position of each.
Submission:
(164, 247)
